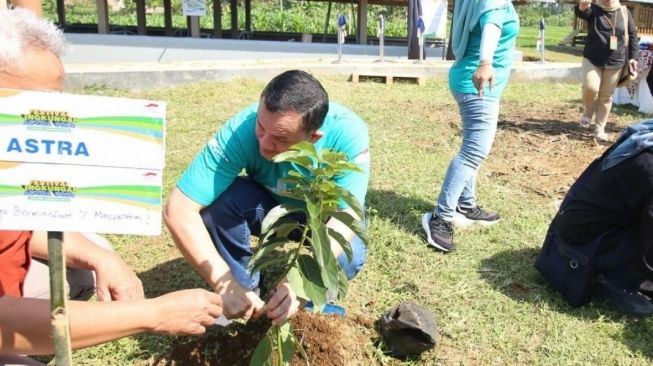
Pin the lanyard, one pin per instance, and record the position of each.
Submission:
(612, 25)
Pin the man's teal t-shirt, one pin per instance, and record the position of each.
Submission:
(460, 74)
(235, 149)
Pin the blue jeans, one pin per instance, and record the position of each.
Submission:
(239, 212)
(479, 117)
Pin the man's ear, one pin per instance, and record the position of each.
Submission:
(315, 136)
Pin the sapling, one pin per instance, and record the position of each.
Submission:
(308, 262)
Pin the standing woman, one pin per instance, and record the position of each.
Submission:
(604, 56)
(483, 39)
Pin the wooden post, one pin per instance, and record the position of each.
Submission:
(167, 17)
(61, 13)
(362, 22)
(234, 19)
(141, 26)
(194, 24)
(60, 326)
(217, 18)
(102, 17)
(248, 16)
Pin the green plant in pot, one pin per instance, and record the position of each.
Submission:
(308, 262)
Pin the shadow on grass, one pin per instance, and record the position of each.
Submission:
(166, 277)
(550, 127)
(513, 274)
(403, 211)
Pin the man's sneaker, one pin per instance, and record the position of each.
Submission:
(439, 233)
(627, 301)
(475, 215)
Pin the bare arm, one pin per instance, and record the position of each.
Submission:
(182, 216)
(25, 323)
(115, 280)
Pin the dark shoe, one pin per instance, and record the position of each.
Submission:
(439, 233)
(627, 301)
(474, 215)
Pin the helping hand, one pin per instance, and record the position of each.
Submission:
(239, 302)
(283, 304)
(186, 312)
(483, 73)
(584, 5)
(632, 64)
(116, 281)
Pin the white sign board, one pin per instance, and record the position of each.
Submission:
(194, 8)
(80, 163)
(434, 14)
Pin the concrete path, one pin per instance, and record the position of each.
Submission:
(138, 62)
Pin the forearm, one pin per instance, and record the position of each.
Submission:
(192, 238)
(489, 42)
(79, 250)
(25, 325)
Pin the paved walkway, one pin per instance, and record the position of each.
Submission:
(139, 62)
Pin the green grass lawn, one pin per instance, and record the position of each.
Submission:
(491, 306)
(527, 43)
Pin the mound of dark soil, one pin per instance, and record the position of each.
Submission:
(327, 340)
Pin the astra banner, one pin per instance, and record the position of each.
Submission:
(80, 163)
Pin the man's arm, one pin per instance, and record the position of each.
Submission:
(115, 280)
(182, 216)
(25, 326)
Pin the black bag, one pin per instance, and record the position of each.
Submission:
(408, 329)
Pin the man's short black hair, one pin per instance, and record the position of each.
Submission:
(298, 91)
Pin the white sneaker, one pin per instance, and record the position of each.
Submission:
(602, 136)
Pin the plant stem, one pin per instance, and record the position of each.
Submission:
(277, 330)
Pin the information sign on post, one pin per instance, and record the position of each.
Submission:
(80, 163)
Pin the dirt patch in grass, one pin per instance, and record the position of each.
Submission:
(542, 149)
(327, 339)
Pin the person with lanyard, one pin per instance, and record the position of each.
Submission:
(598, 246)
(604, 55)
(483, 40)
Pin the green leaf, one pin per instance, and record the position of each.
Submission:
(352, 223)
(297, 283)
(312, 208)
(266, 250)
(263, 353)
(308, 280)
(353, 203)
(275, 214)
(278, 260)
(287, 344)
(323, 255)
(343, 284)
(344, 243)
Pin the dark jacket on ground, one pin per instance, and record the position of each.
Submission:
(597, 48)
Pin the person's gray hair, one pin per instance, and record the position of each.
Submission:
(21, 29)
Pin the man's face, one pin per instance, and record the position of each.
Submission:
(276, 132)
(41, 70)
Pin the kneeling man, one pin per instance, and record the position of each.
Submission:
(214, 209)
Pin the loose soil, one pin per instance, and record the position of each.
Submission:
(327, 340)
